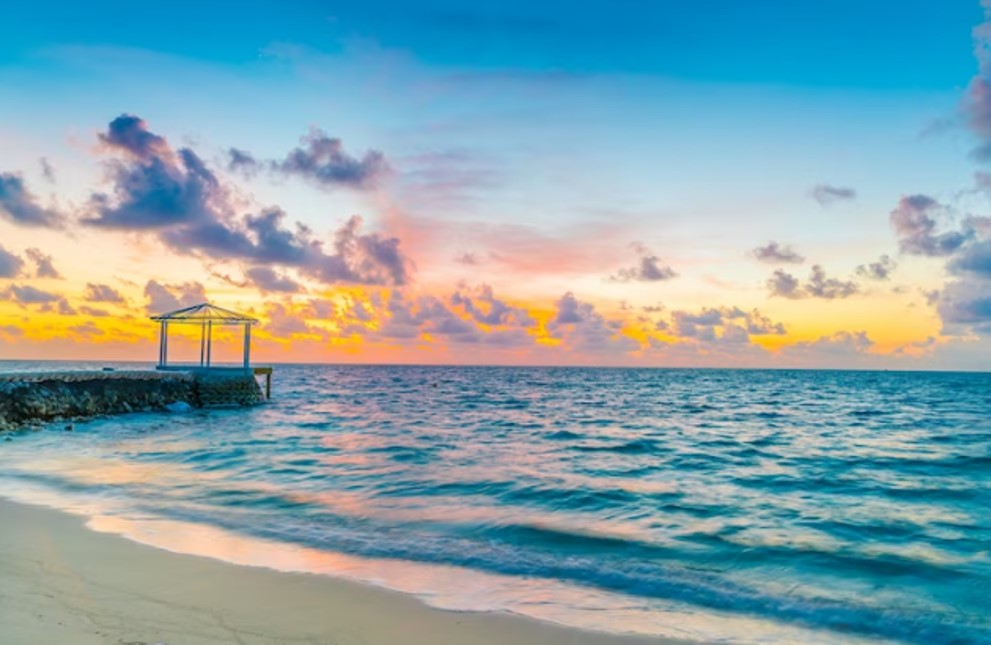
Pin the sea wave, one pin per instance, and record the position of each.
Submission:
(854, 505)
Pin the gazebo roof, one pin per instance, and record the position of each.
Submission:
(204, 313)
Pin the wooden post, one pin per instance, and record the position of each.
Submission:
(268, 385)
(209, 341)
(247, 345)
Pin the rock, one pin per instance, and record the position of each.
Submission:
(56, 399)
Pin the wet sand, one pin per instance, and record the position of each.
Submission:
(62, 583)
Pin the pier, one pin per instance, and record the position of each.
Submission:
(32, 398)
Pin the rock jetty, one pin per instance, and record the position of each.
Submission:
(28, 398)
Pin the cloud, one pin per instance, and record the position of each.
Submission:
(267, 280)
(130, 133)
(356, 257)
(965, 305)
(774, 253)
(467, 259)
(485, 308)
(819, 286)
(363, 258)
(60, 306)
(44, 268)
(841, 345)
(785, 285)
(256, 238)
(827, 195)
(470, 316)
(407, 319)
(102, 293)
(11, 330)
(92, 311)
(974, 258)
(707, 317)
(10, 264)
(917, 348)
(320, 159)
(322, 309)
(525, 249)
(439, 320)
(28, 295)
(962, 302)
(47, 302)
(242, 161)
(264, 279)
(19, 206)
(648, 269)
(582, 329)
(915, 227)
(976, 103)
(47, 170)
(163, 298)
(568, 310)
(760, 325)
(722, 324)
(880, 270)
(449, 180)
(282, 321)
(88, 328)
(158, 190)
(175, 195)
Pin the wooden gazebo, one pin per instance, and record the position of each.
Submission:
(206, 316)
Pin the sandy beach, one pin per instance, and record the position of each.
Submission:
(62, 583)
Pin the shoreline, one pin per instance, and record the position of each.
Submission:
(63, 582)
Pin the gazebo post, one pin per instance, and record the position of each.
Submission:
(165, 343)
(202, 342)
(161, 344)
(247, 345)
(209, 341)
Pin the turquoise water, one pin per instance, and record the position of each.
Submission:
(749, 506)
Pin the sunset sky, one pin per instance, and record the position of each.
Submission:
(712, 183)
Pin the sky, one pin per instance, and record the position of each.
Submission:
(712, 184)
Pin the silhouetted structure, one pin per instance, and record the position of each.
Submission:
(206, 316)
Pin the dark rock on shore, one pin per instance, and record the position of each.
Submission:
(35, 398)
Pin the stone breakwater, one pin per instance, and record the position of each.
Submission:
(36, 398)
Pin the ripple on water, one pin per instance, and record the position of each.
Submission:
(853, 504)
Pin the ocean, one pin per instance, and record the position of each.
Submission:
(739, 506)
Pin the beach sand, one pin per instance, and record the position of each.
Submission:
(62, 583)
